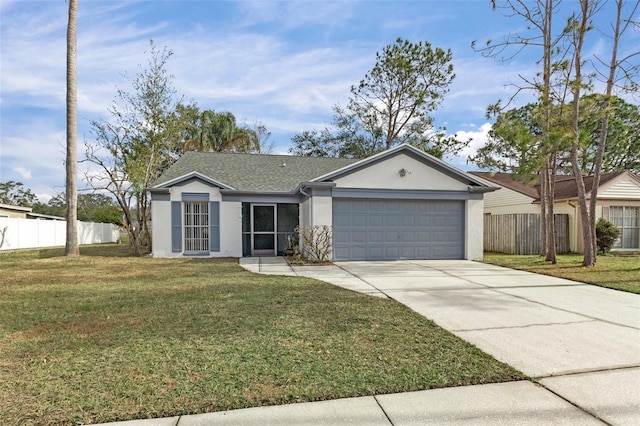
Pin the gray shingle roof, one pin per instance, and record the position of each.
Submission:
(253, 172)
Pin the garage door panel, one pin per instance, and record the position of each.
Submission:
(372, 229)
(375, 220)
(375, 252)
(408, 238)
(375, 237)
(391, 252)
(391, 237)
(422, 237)
(406, 220)
(407, 252)
(358, 220)
(391, 220)
(391, 206)
(422, 252)
(358, 237)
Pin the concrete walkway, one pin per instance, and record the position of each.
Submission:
(580, 342)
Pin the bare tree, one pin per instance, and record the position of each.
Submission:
(71, 182)
(144, 137)
(578, 27)
(620, 71)
(538, 16)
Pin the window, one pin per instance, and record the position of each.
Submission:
(627, 219)
(196, 226)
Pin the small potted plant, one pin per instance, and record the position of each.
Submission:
(291, 245)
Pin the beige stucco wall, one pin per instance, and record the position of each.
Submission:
(230, 222)
(386, 174)
(20, 213)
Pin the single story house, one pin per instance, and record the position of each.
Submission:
(618, 202)
(7, 210)
(399, 204)
(19, 212)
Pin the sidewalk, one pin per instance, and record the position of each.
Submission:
(514, 403)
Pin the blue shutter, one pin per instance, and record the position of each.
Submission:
(176, 226)
(214, 224)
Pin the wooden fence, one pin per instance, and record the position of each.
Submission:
(520, 233)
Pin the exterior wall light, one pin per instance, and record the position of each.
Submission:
(404, 172)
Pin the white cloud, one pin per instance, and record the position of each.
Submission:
(44, 198)
(478, 139)
(25, 173)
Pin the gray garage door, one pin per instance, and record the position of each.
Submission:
(371, 229)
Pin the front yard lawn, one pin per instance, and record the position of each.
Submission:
(617, 272)
(106, 337)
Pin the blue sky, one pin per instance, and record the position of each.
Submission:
(280, 63)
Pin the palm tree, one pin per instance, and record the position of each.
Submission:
(218, 132)
(71, 183)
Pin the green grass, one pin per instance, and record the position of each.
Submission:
(106, 337)
(617, 272)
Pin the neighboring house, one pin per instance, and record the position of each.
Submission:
(618, 201)
(24, 213)
(398, 204)
(7, 210)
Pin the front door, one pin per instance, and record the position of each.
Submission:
(263, 230)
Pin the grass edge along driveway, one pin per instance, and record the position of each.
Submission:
(106, 337)
(616, 272)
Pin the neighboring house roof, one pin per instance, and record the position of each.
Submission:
(15, 208)
(510, 181)
(44, 216)
(252, 172)
(565, 185)
(285, 173)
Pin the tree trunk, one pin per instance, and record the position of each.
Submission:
(547, 186)
(550, 242)
(586, 211)
(604, 130)
(71, 183)
(543, 213)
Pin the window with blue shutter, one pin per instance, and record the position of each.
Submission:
(214, 223)
(176, 226)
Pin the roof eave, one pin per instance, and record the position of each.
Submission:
(482, 189)
(188, 176)
(405, 146)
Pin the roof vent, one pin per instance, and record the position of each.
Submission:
(284, 165)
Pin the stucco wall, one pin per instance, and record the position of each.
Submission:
(161, 229)
(230, 222)
(386, 174)
(474, 234)
(14, 213)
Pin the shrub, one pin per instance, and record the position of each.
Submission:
(606, 235)
(316, 242)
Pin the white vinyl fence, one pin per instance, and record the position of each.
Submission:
(34, 233)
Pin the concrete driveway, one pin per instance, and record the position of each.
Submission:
(580, 341)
